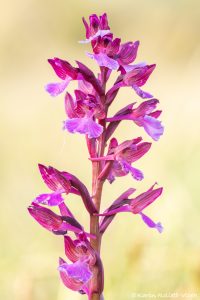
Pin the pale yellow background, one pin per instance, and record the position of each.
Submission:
(136, 258)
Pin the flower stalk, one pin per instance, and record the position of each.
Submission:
(88, 114)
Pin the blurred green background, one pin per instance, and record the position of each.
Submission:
(136, 259)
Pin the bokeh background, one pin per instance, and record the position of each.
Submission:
(136, 259)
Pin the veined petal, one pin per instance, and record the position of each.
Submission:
(104, 21)
(139, 203)
(84, 126)
(153, 127)
(104, 60)
(71, 250)
(54, 179)
(54, 89)
(51, 199)
(145, 108)
(150, 223)
(138, 76)
(45, 217)
(63, 69)
(128, 53)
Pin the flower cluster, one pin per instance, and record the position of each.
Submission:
(87, 113)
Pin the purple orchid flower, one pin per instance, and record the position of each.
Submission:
(120, 157)
(98, 27)
(136, 76)
(135, 206)
(82, 113)
(87, 113)
(109, 53)
(75, 276)
(85, 260)
(144, 116)
(57, 183)
(105, 50)
(64, 71)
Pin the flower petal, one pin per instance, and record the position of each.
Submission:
(45, 217)
(150, 223)
(84, 126)
(138, 76)
(79, 271)
(68, 281)
(128, 53)
(104, 60)
(139, 203)
(54, 89)
(52, 199)
(71, 250)
(100, 33)
(153, 127)
(137, 174)
(141, 93)
(54, 179)
(63, 69)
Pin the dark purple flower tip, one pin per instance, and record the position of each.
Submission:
(45, 217)
(54, 179)
(145, 199)
(95, 25)
(63, 69)
(104, 22)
